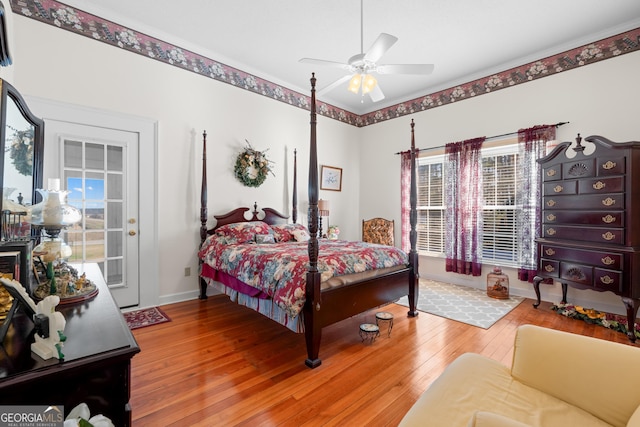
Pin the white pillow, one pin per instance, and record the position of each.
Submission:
(301, 235)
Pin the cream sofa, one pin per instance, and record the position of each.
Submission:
(556, 379)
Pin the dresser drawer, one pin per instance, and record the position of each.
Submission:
(609, 260)
(552, 173)
(595, 234)
(611, 166)
(563, 187)
(549, 267)
(578, 273)
(601, 185)
(579, 169)
(585, 202)
(597, 218)
(608, 280)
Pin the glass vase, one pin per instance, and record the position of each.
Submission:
(497, 284)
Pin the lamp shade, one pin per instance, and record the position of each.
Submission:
(354, 83)
(323, 207)
(368, 83)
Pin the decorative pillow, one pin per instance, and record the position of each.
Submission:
(243, 232)
(265, 238)
(283, 231)
(301, 235)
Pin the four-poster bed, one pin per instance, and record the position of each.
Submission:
(330, 288)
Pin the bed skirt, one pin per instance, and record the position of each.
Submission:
(266, 307)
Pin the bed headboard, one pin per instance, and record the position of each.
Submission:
(270, 216)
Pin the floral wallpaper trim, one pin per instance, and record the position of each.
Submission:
(604, 49)
(77, 21)
(62, 16)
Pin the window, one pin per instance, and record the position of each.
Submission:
(430, 205)
(499, 236)
(499, 174)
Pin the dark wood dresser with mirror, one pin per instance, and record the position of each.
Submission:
(590, 236)
(99, 345)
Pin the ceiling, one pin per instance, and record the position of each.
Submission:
(465, 39)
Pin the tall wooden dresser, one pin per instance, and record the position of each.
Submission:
(590, 236)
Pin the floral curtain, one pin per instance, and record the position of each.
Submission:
(532, 145)
(405, 200)
(463, 201)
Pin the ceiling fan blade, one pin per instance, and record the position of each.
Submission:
(376, 94)
(326, 63)
(379, 47)
(405, 69)
(333, 85)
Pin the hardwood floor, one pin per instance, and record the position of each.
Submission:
(219, 364)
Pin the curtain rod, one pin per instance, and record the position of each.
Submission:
(487, 138)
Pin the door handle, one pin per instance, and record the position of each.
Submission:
(132, 232)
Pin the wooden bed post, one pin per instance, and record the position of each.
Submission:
(203, 210)
(338, 303)
(313, 328)
(413, 234)
(294, 201)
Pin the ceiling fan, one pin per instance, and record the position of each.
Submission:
(363, 65)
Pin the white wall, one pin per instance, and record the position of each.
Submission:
(599, 99)
(58, 65)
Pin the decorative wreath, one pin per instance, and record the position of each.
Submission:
(252, 167)
(21, 151)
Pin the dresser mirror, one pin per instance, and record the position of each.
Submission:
(21, 154)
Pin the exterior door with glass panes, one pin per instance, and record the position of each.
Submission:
(100, 172)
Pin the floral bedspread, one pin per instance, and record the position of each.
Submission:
(279, 269)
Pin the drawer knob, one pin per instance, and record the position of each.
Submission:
(558, 188)
(551, 203)
(551, 172)
(609, 165)
(608, 236)
(551, 217)
(608, 201)
(608, 219)
(606, 280)
(549, 268)
(608, 260)
(550, 251)
(599, 185)
(551, 231)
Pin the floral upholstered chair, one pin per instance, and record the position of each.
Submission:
(378, 230)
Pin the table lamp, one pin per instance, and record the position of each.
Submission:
(323, 210)
(52, 215)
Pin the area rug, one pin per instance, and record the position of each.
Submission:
(145, 317)
(589, 315)
(462, 303)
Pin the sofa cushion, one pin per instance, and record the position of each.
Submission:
(634, 421)
(598, 376)
(489, 419)
(476, 383)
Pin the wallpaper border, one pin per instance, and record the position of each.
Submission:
(77, 21)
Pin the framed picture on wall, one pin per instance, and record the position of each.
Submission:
(330, 178)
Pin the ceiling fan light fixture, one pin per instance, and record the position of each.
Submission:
(368, 83)
(354, 83)
(362, 65)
